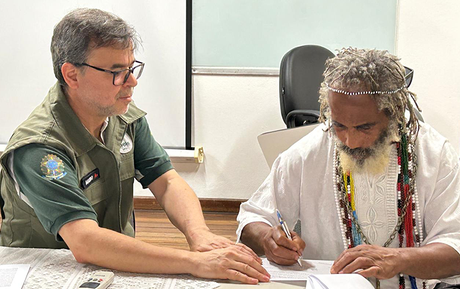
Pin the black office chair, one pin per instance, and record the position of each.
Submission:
(301, 72)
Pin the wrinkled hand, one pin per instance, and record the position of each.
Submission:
(279, 249)
(372, 260)
(204, 240)
(233, 263)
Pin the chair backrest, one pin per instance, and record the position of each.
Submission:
(301, 74)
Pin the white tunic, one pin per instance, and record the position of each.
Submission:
(301, 186)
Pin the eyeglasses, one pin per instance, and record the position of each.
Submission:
(120, 76)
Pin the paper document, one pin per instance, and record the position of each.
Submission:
(338, 281)
(295, 272)
(13, 276)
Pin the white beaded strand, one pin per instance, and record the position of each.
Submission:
(364, 92)
(418, 218)
(340, 212)
(417, 227)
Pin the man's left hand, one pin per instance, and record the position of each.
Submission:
(370, 260)
(204, 240)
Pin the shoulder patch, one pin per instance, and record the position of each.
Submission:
(52, 167)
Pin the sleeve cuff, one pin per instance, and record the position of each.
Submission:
(242, 224)
(452, 242)
(455, 244)
(61, 221)
(154, 174)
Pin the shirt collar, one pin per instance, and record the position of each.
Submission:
(103, 127)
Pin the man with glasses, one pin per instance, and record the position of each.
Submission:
(67, 173)
(120, 76)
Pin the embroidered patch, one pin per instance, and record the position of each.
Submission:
(126, 144)
(53, 167)
(90, 178)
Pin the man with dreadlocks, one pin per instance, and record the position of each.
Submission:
(375, 190)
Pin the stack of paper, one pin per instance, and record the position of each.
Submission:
(317, 274)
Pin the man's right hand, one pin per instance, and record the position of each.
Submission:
(235, 262)
(273, 243)
(279, 249)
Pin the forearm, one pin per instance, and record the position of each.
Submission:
(109, 249)
(91, 244)
(433, 261)
(252, 236)
(180, 204)
(183, 207)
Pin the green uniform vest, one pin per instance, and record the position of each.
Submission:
(54, 123)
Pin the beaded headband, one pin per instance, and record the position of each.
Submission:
(364, 92)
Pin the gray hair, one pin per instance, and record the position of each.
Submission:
(371, 70)
(85, 29)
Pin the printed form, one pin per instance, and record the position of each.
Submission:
(295, 272)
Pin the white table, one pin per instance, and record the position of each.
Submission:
(59, 269)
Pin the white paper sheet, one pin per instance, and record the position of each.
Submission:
(13, 276)
(295, 272)
(338, 281)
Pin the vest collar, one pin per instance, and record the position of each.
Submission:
(82, 141)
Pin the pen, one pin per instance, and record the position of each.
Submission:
(286, 231)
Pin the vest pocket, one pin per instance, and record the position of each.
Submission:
(95, 192)
(127, 165)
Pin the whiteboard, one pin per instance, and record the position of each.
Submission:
(257, 33)
(26, 28)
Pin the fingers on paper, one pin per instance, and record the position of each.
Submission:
(248, 251)
(281, 255)
(244, 268)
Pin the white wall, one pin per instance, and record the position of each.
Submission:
(26, 28)
(231, 111)
(428, 40)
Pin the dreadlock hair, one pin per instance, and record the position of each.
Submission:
(371, 70)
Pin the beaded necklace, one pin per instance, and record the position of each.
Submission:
(408, 207)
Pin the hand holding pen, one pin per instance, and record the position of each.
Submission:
(286, 230)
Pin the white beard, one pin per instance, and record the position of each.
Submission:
(374, 164)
